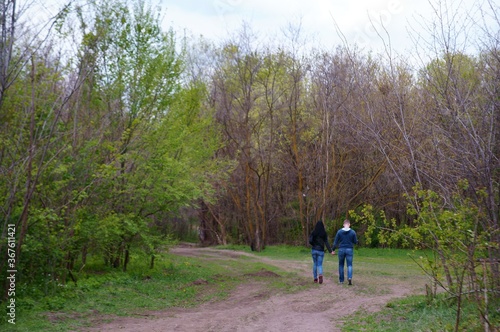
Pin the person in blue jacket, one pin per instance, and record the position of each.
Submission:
(318, 240)
(345, 241)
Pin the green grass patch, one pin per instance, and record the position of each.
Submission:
(387, 261)
(298, 252)
(414, 313)
(276, 252)
(102, 293)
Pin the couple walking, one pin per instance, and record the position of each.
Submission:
(344, 240)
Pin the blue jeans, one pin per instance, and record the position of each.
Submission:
(345, 255)
(317, 262)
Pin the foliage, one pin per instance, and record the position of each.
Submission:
(102, 291)
(99, 150)
(453, 234)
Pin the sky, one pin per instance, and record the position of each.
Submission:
(320, 20)
(216, 19)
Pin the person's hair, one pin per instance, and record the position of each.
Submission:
(347, 222)
(319, 229)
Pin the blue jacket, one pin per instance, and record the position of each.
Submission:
(345, 239)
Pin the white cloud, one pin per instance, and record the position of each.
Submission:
(217, 19)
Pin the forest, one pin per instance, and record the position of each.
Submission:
(117, 135)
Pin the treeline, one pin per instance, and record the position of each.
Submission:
(113, 131)
(319, 134)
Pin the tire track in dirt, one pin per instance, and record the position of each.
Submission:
(250, 307)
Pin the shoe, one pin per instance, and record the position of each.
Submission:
(320, 279)
(350, 282)
(315, 281)
(341, 282)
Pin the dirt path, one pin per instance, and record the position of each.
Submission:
(250, 307)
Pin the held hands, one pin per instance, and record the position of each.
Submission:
(333, 252)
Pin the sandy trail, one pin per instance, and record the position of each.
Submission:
(250, 307)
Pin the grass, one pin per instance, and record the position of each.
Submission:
(414, 313)
(374, 269)
(103, 293)
(276, 252)
(176, 281)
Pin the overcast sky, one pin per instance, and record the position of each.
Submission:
(217, 19)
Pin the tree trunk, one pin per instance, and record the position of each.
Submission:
(127, 258)
(29, 187)
(152, 262)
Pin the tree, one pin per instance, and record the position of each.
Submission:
(102, 146)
